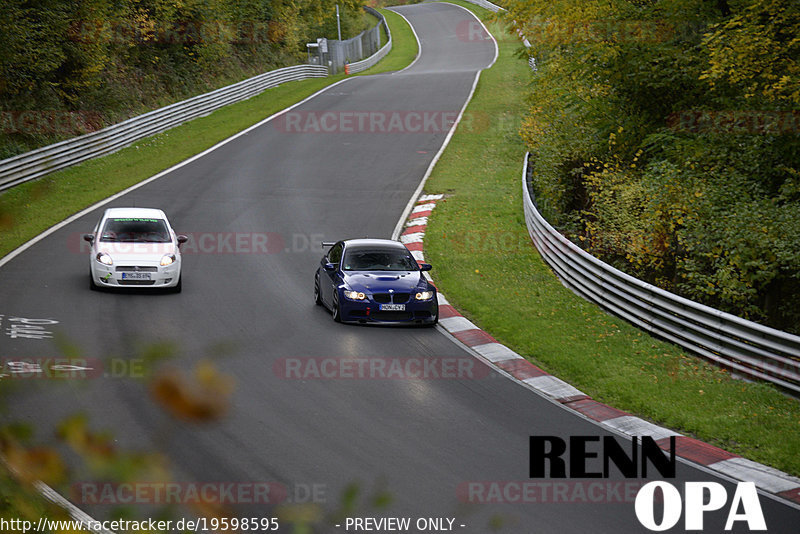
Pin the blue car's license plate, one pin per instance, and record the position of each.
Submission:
(393, 307)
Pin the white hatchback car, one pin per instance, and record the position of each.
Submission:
(135, 247)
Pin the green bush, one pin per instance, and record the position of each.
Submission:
(666, 140)
(106, 61)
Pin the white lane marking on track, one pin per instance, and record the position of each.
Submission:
(496, 48)
(22, 248)
(399, 227)
(407, 211)
(23, 327)
(419, 43)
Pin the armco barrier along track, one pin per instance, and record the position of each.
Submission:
(744, 347)
(486, 5)
(364, 64)
(51, 158)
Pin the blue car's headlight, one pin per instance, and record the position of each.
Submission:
(424, 295)
(354, 295)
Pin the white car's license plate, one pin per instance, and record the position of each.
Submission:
(393, 307)
(136, 276)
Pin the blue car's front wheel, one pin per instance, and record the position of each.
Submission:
(337, 310)
(317, 297)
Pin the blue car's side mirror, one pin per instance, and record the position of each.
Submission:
(425, 266)
(330, 267)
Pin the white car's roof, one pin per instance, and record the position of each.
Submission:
(124, 213)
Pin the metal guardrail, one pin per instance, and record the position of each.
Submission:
(352, 51)
(486, 5)
(45, 160)
(364, 64)
(744, 347)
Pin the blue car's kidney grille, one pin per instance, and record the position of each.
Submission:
(392, 316)
(386, 298)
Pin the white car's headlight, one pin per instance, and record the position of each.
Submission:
(424, 295)
(354, 295)
(168, 259)
(104, 258)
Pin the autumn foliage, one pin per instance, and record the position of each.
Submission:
(665, 139)
(64, 63)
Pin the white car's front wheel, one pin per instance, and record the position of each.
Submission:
(179, 286)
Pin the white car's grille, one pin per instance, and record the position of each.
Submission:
(134, 269)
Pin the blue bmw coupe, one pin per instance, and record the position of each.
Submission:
(375, 281)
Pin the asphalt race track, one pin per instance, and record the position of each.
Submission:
(419, 439)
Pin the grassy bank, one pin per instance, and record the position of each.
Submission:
(29, 209)
(485, 264)
(404, 44)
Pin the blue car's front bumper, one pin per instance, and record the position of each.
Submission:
(369, 311)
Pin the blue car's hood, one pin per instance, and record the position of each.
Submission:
(381, 281)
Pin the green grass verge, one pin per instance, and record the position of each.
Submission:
(404, 44)
(31, 208)
(484, 262)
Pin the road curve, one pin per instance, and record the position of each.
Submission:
(297, 183)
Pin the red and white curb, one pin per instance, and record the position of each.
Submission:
(734, 466)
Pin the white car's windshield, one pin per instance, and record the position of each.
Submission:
(135, 229)
(379, 260)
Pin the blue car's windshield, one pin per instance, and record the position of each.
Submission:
(379, 260)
